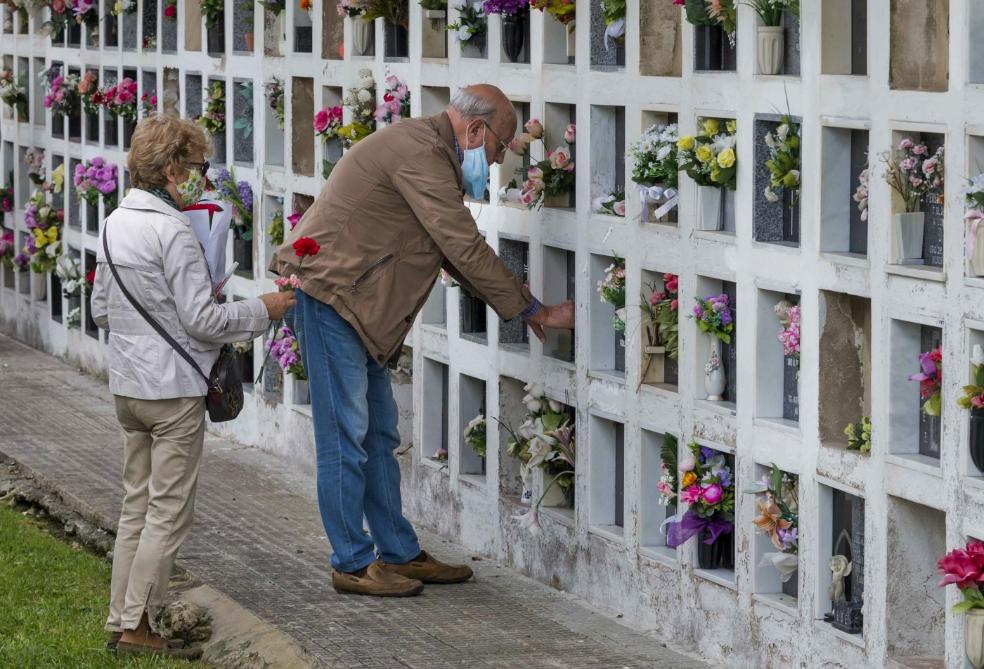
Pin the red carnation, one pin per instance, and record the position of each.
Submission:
(170, 11)
(90, 278)
(305, 246)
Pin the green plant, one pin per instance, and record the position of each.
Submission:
(471, 23)
(392, 11)
(244, 122)
(784, 159)
(434, 5)
(771, 11)
(213, 118)
(212, 11)
(859, 435)
(474, 434)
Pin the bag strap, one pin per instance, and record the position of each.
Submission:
(146, 316)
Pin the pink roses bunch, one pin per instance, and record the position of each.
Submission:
(61, 91)
(396, 102)
(94, 178)
(121, 99)
(789, 335)
(964, 568)
(549, 177)
(327, 122)
(914, 172)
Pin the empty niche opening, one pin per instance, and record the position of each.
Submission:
(608, 315)
(844, 39)
(515, 254)
(776, 209)
(916, 607)
(607, 159)
(302, 128)
(557, 120)
(771, 565)
(919, 48)
(840, 560)
(558, 286)
(660, 39)
(913, 432)
(332, 33)
(274, 119)
(658, 488)
(659, 330)
(471, 407)
(844, 195)
(714, 49)
(607, 472)
(242, 128)
(55, 306)
(433, 28)
(149, 25)
(169, 26)
(845, 365)
(917, 226)
(331, 96)
(558, 40)
(714, 354)
(512, 172)
(89, 265)
(303, 31)
(515, 37)
(777, 378)
(243, 26)
(655, 204)
(607, 41)
(434, 423)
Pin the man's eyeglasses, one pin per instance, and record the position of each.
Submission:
(503, 146)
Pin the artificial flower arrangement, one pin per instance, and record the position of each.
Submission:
(275, 99)
(973, 394)
(6, 199)
(859, 435)
(212, 12)
(93, 178)
(69, 272)
(352, 8)
(784, 160)
(474, 435)
(394, 12)
(213, 118)
(240, 196)
(73, 320)
(973, 215)
(930, 378)
(612, 291)
(713, 316)
(771, 11)
(668, 483)
(148, 104)
(552, 176)
(396, 102)
(505, 7)
(655, 169)
(171, 10)
(471, 24)
(21, 262)
(914, 172)
(613, 12)
(562, 10)
(87, 13)
(789, 323)
(129, 7)
(612, 204)
(44, 221)
(7, 247)
(722, 13)
(545, 441)
(860, 196)
(60, 91)
(12, 91)
(120, 99)
(276, 230)
(778, 516)
(286, 352)
(89, 93)
(660, 315)
(34, 162)
(361, 102)
(707, 486)
(60, 14)
(327, 123)
(964, 568)
(709, 157)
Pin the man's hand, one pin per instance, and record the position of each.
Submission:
(277, 304)
(559, 316)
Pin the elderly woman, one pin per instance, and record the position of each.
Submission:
(159, 396)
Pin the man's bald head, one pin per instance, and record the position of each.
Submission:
(475, 106)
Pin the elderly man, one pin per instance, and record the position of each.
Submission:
(388, 219)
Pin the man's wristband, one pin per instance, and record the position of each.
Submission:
(534, 307)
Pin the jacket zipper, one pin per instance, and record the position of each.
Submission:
(362, 277)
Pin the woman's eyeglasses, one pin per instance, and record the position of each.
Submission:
(203, 167)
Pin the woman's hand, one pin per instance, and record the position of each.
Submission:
(277, 304)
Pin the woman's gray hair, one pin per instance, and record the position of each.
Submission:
(474, 105)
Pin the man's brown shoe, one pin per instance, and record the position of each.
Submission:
(377, 582)
(425, 568)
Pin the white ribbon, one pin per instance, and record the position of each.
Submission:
(974, 217)
(785, 563)
(654, 194)
(614, 31)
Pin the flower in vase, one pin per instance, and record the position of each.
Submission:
(691, 494)
(534, 128)
(963, 567)
(689, 478)
(570, 133)
(712, 493)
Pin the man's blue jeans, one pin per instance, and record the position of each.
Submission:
(355, 431)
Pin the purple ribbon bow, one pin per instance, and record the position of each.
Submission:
(690, 525)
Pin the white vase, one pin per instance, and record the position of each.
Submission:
(554, 496)
(302, 392)
(908, 234)
(714, 379)
(571, 41)
(711, 200)
(976, 254)
(771, 43)
(974, 637)
(39, 287)
(362, 35)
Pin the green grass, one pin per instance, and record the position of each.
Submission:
(53, 602)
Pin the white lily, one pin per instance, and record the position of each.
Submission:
(541, 447)
(533, 404)
(530, 521)
(534, 388)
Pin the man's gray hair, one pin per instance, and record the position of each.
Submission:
(473, 105)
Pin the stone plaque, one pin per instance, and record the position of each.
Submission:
(619, 351)
(149, 23)
(933, 231)
(515, 255)
(790, 387)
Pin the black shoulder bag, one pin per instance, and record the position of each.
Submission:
(224, 400)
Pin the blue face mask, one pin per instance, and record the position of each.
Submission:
(475, 170)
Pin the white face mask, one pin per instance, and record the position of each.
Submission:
(192, 188)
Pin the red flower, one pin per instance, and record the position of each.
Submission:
(90, 278)
(963, 566)
(170, 11)
(305, 246)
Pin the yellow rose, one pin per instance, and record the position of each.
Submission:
(689, 479)
(711, 126)
(732, 126)
(704, 153)
(686, 143)
(726, 158)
